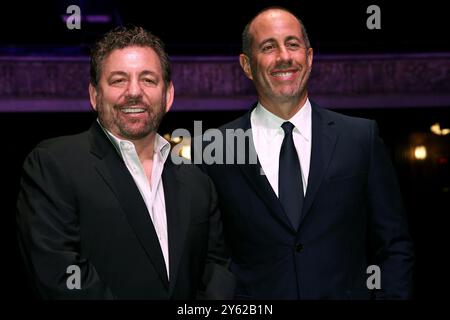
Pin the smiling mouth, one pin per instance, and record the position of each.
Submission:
(133, 110)
(283, 73)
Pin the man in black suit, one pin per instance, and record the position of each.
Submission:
(319, 213)
(105, 214)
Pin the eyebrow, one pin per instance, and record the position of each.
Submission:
(124, 74)
(288, 38)
(149, 72)
(117, 73)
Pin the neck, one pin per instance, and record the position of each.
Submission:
(285, 109)
(144, 147)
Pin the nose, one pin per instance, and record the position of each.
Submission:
(134, 88)
(284, 55)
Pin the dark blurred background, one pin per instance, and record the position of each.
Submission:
(214, 27)
(195, 31)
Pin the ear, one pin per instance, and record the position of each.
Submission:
(245, 65)
(170, 91)
(93, 96)
(310, 57)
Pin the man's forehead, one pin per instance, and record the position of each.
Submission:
(132, 56)
(275, 21)
(132, 52)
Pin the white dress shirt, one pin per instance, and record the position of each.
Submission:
(268, 137)
(152, 193)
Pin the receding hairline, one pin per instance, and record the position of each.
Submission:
(267, 11)
(247, 35)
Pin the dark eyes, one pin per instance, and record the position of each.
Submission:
(149, 81)
(117, 81)
(122, 80)
(293, 45)
(270, 47)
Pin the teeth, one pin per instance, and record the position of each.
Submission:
(133, 110)
(282, 74)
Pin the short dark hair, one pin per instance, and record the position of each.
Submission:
(122, 37)
(247, 38)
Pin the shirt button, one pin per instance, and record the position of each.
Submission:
(299, 247)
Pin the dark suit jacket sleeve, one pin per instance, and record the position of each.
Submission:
(390, 242)
(49, 231)
(219, 282)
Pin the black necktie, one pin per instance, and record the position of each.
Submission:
(290, 185)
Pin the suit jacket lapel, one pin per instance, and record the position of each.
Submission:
(324, 137)
(177, 209)
(113, 170)
(256, 178)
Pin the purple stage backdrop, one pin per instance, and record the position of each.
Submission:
(43, 84)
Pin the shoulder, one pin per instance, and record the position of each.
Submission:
(55, 162)
(344, 119)
(64, 142)
(64, 147)
(237, 123)
(344, 123)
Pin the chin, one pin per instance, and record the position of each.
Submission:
(136, 133)
(286, 95)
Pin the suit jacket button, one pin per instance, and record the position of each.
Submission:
(299, 247)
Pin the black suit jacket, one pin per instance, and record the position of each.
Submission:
(79, 205)
(352, 218)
